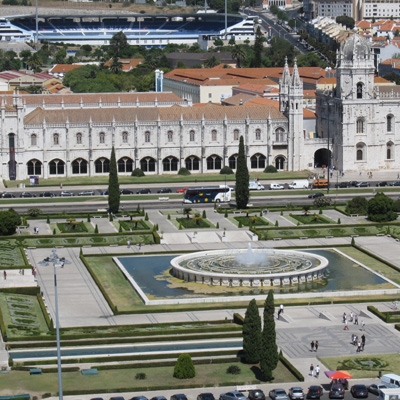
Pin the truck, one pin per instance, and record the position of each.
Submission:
(320, 183)
(299, 184)
(389, 394)
(255, 185)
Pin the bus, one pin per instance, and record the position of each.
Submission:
(208, 194)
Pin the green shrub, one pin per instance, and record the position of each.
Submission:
(48, 220)
(240, 224)
(270, 169)
(184, 367)
(339, 221)
(137, 172)
(88, 218)
(233, 370)
(226, 171)
(226, 214)
(276, 223)
(140, 376)
(217, 226)
(204, 215)
(184, 172)
(169, 216)
(96, 229)
(146, 218)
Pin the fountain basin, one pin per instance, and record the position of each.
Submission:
(249, 267)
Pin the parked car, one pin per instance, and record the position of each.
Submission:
(66, 193)
(7, 195)
(181, 190)
(337, 391)
(359, 391)
(397, 183)
(47, 194)
(343, 382)
(126, 191)
(139, 398)
(164, 190)
(296, 393)
(362, 184)
(382, 183)
(376, 387)
(256, 394)
(353, 183)
(342, 185)
(27, 194)
(117, 398)
(158, 398)
(205, 396)
(276, 186)
(86, 193)
(278, 394)
(233, 395)
(104, 192)
(315, 392)
(143, 191)
(315, 195)
(179, 396)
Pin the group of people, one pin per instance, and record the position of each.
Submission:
(314, 345)
(358, 342)
(36, 230)
(353, 317)
(315, 370)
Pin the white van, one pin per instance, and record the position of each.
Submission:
(276, 186)
(391, 380)
(255, 185)
(389, 394)
(299, 184)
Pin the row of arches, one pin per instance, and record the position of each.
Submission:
(148, 164)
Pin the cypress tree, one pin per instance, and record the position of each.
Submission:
(269, 350)
(113, 185)
(252, 334)
(242, 178)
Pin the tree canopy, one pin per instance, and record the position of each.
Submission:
(252, 334)
(242, 177)
(380, 208)
(9, 221)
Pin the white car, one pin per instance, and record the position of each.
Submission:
(276, 186)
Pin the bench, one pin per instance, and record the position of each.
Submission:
(163, 198)
(35, 371)
(353, 215)
(380, 234)
(354, 236)
(303, 237)
(101, 210)
(113, 245)
(24, 396)
(328, 237)
(90, 371)
(277, 238)
(237, 212)
(245, 388)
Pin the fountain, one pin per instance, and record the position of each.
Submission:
(249, 267)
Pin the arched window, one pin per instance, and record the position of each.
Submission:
(33, 139)
(170, 136)
(389, 150)
(191, 136)
(102, 137)
(258, 134)
(79, 166)
(236, 134)
(148, 164)
(102, 165)
(213, 135)
(257, 161)
(233, 161)
(170, 164)
(359, 90)
(79, 138)
(360, 125)
(56, 139)
(192, 163)
(280, 163)
(280, 135)
(124, 137)
(125, 164)
(56, 167)
(34, 167)
(147, 136)
(389, 126)
(214, 162)
(360, 152)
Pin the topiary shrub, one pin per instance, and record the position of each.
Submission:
(226, 214)
(137, 172)
(184, 367)
(270, 169)
(226, 171)
(204, 215)
(169, 216)
(184, 172)
(140, 376)
(339, 221)
(96, 229)
(217, 226)
(233, 370)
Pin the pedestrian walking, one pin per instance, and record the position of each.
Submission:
(356, 319)
(362, 342)
(351, 316)
(316, 347)
(362, 325)
(346, 327)
(5, 274)
(344, 317)
(317, 369)
(312, 344)
(281, 308)
(312, 370)
(358, 346)
(128, 243)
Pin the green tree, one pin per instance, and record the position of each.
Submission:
(9, 220)
(184, 367)
(239, 54)
(357, 205)
(113, 185)
(380, 208)
(269, 356)
(252, 334)
(116, 66)
(348, 22)
(258, 48)
(211, 62)
(34, 61)
(118, 44)
(242, 178)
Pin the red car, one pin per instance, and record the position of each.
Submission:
(182, 190)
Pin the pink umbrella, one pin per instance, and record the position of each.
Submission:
(338, 375)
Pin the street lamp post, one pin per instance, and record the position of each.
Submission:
(60, 388)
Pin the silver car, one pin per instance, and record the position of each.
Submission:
(233, 395)
(296, 393)
(278, 394)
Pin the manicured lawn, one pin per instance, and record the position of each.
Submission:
(311, 219)
(10, 254)
(251, 221)
(119, 379)
(72, 227)
(192, 223)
